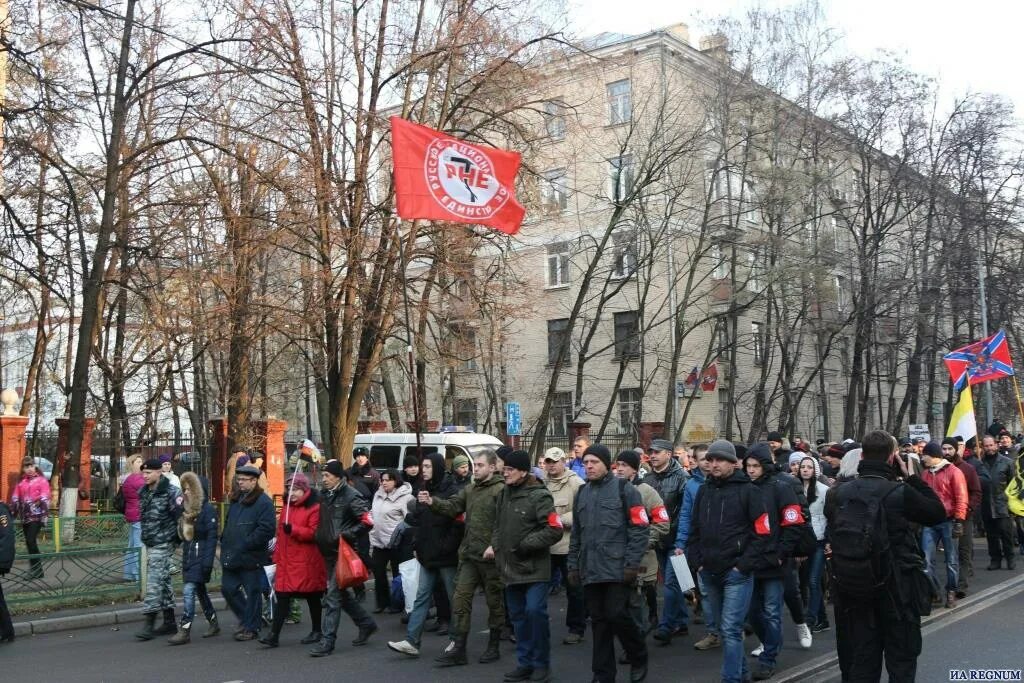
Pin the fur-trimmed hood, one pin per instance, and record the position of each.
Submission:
(193, 497)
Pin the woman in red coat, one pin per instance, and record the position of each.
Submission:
(300, 568)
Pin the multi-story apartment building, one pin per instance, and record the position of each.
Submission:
(711, 226)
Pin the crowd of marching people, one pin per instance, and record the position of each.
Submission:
(732, 537)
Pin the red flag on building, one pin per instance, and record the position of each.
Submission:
(439, 177)
(709, 378)
(692, 380)
(981, 361)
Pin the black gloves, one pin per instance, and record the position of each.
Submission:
(629, 575)
(288, 528)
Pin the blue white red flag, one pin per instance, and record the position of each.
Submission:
(981, 361)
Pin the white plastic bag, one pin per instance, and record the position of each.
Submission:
(682, 571)
(410, 571)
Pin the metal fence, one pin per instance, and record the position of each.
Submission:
(82, 561)
(614, 442)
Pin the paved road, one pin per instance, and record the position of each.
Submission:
(102, 654)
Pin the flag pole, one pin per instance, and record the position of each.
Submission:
(410, 239)
(1020, 406)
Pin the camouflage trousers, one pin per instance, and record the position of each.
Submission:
(159, 593)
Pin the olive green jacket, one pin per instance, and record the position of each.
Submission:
(478, 501)
(526, 528)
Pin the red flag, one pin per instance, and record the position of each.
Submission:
(709, 378)
(693, 379)
(981, 361)
(442, 178)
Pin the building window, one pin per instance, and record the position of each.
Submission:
(627, 335)
(844, 355)
(755, 276)
(620, 177)
(558, 336)
(465, 412)
(620, 106)
(722, 330)
(629, 410)
(464, 348)
(757, 333)
(558, 264)
(555, 190)
(719, 268)
(561, 413)
(842, 295)
(623, 254)
(723, 412)
(554, 120)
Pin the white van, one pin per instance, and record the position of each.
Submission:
(389, 450)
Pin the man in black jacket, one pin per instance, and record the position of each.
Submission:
(343, 514)
(728, 529)
(159, 509)
(6, 562)
(891, 624)
(668, 478)
(785, 518)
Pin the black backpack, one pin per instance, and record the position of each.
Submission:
(862, 560)
(120, 504)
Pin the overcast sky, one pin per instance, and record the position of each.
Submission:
(967, 45)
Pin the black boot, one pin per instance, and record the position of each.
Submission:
(168, 628)
(269, 640)
(147, 628)
(493, 651)
(454, 654)
(312, 637)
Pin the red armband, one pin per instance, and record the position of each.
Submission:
(461, 518)
(366, 519)
(554, 521)
(792, 515)
(762, 527)
(659, 514)
(638, 516)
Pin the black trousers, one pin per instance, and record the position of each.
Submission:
(31, 530)
(6, 626)
(284, 606)
(791, 593)
(610, 608)
(999, 534)
(382, 559)
(868, 632)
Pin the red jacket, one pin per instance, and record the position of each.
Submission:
(973, 485)
(950, 486)
(300, 567)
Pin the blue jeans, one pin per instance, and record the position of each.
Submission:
(424, 594)
(528, 610)
(815, 596)
(729, 598)
(191, 591)
(766, 617)
(673, 614)
(710, 616)
(131, 558)
(930, 537)
(243, 591)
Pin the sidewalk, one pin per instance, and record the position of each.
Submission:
(88, 617)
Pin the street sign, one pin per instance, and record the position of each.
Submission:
(919, 431)
(513, 420)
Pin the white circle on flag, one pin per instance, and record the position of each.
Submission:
(790, 515)
(461, 179)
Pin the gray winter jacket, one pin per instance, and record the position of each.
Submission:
(670, 485)
(995, 474)
(159, 510)
(609, 531)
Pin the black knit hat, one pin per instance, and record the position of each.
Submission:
(600, 452)
(933, 449)
(630, 458)
(334, 467)
(519, 460)
(950, 441)
(503, 451)
(410, 460)
(774, 436)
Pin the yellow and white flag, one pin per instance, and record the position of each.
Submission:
(962, 422)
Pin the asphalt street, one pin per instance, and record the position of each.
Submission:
(986, 637)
